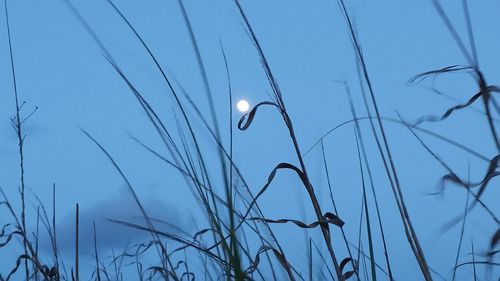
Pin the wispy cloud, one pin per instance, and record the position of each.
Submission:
(113, 235)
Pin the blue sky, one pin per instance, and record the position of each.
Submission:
(62, 71)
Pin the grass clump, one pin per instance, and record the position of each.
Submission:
(239, 241)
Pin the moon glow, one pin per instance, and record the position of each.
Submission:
(243, 106)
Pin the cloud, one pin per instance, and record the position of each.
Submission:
(112, 235)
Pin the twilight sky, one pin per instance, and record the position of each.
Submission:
(62, 71)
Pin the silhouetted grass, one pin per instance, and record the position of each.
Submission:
(238, 242)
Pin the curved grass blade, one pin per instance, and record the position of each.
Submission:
(396, 121)
(327, 218)
(281, 259)
(432, 73)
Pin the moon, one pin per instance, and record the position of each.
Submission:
(243, 106)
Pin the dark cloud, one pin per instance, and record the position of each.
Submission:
(112, 235)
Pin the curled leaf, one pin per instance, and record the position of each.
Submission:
(247, 119)
(9, 237)
(448, 112)
(343, 263)
(491, 172)
(2, 233)
(327, 218)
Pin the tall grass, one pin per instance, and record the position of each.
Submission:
(238, 242)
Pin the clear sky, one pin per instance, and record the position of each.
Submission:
(62, 71)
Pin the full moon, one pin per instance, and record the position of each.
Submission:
(243, 106)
